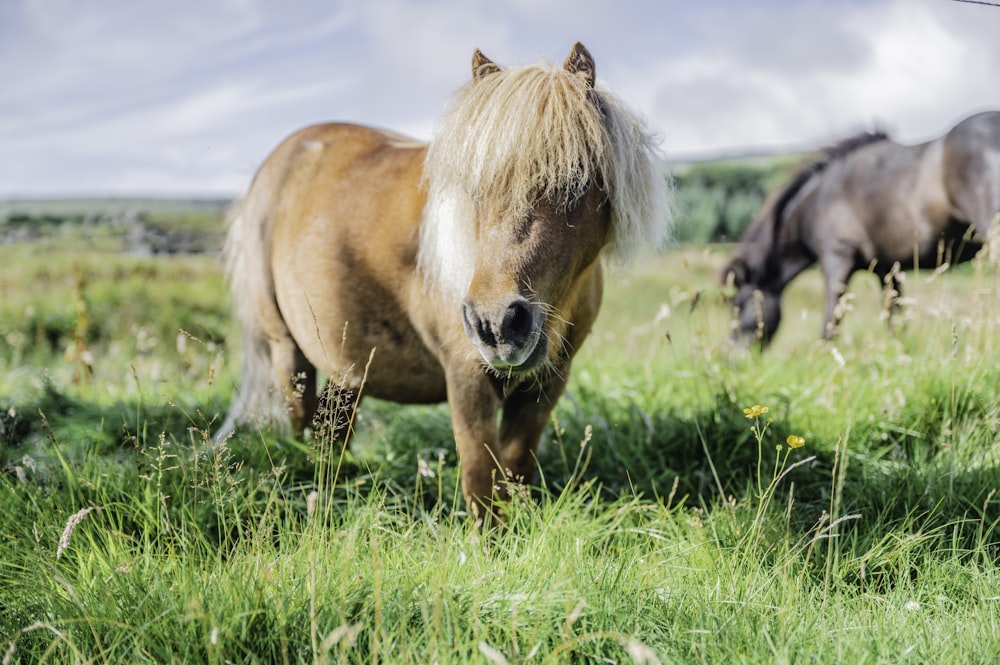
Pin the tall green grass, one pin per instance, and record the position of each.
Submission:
(664, 524)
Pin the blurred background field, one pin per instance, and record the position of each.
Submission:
(118, 361)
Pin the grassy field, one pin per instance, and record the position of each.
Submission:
(665, 526)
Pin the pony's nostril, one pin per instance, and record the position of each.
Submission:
(517, 323)
(476, 326)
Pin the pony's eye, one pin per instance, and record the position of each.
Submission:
(574, 188)
(522, 226)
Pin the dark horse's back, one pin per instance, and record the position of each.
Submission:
(972, 155)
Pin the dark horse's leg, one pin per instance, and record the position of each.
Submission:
(892, 284)
(837, 270)
(972, 172)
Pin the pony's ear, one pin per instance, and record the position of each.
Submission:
(482, 66)
(581, 63)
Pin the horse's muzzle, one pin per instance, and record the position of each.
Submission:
(508, 335)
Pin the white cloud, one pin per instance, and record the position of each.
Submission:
(191, 95)
(893, 64)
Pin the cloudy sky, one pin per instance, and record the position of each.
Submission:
(186, 97)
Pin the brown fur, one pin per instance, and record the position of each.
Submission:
(868, 204)
(477, 288)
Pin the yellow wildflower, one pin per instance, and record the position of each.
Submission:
(795, 441)
(755, 411)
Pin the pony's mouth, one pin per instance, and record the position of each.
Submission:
(517, 363)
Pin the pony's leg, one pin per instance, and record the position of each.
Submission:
(474, 406)
(335, 411)
(488, 460)
(297, 378)
(525, 416)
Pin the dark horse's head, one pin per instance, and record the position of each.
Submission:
(756, 307)
(756, 310)
(765, 261)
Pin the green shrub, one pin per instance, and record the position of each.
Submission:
(716, 201)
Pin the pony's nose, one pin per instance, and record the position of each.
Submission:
(505, 335)
(514, 327)
(517, 323)
(477, 328)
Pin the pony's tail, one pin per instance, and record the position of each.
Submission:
(250, 284)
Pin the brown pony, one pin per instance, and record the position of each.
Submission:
(466, 270)
(868, 204)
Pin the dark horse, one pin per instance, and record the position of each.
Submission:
(868, 204)
(466, 270)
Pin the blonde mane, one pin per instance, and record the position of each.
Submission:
(529, 132)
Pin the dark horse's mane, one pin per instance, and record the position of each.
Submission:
(847, 146)
(828, 155)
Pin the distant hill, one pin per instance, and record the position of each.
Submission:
(108, 206)
(136, 225)
(716, 200)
